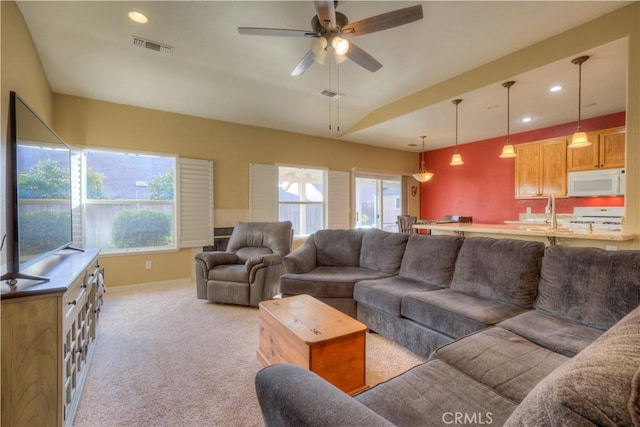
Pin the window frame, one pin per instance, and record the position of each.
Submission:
(175, 202)
(323, 203)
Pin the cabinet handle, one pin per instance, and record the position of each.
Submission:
(74, 302)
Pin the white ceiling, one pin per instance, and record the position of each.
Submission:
(86, 50)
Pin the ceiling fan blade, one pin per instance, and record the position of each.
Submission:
(280, 32)
(362, 58)
(326, 11)
(383, 21)
(303, 65)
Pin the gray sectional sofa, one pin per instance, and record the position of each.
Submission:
(515, 333)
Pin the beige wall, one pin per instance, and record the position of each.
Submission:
(21, 72)
(86, 122)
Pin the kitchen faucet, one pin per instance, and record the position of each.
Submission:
(550, 209)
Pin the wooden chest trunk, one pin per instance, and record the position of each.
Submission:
(306, 332)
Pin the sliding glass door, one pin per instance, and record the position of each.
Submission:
(378, 202)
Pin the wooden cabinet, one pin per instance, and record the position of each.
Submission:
(541, 168)
(48, 337)
(606, 151)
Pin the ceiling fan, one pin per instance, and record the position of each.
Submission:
(331, 29)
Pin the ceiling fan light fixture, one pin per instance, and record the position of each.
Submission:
(423, 175)
(579, 138)
(318, 45)
(340, 45)
(339, 58)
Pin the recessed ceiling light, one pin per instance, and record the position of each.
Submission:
(556, 88)
(526, 119)
(138, 17)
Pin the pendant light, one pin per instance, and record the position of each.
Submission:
(507, 149)
(579, 138)
(423, 175)
(456, 159)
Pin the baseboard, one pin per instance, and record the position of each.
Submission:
(173, 283)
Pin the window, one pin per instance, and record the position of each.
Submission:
(301, 198)
(378, 201)
(129, 201)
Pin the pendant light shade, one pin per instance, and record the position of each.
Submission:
(579, 138)
(507, 149)
(422, 175)
(456, 159)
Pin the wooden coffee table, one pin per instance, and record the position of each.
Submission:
(306, 332)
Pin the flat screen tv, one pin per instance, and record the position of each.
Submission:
(39, 205)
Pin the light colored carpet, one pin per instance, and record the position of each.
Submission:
(165, 358)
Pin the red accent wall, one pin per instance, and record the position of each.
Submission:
(484, 186)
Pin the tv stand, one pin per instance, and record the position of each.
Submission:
(48, 340)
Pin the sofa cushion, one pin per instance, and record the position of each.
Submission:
(433, 394)
(275, 236)
(454, 313)
(555, 333)
(503, 269)
(327, 282)
(382, 251)
(503, 361)
(430, 259)
(599, 386)
(247, 252)
(386, 294)
(338, 247)
(229, 273)
(589, 285)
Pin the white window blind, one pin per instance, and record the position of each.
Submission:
(263, 192)
(196, 202)
(338, 200)
(76, 197)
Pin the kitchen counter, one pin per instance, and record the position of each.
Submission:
(526, 230)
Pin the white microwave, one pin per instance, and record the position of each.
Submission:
(600, 182)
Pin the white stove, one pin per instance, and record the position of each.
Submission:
(597, 218)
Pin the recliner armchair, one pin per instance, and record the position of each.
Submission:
(249, 270)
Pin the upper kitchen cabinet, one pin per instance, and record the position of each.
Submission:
(541, 168)
(606, 151)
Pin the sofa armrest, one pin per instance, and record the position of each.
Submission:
(211, 259)
(303, 259)
(257, 262)
(293, 396)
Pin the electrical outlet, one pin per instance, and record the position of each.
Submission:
(147, 265)
(528, 210)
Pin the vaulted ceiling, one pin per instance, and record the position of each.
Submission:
(87, 50)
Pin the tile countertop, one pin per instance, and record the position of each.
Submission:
(528, 230)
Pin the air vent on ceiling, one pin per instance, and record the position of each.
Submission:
(151, 45)
(331, 93)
